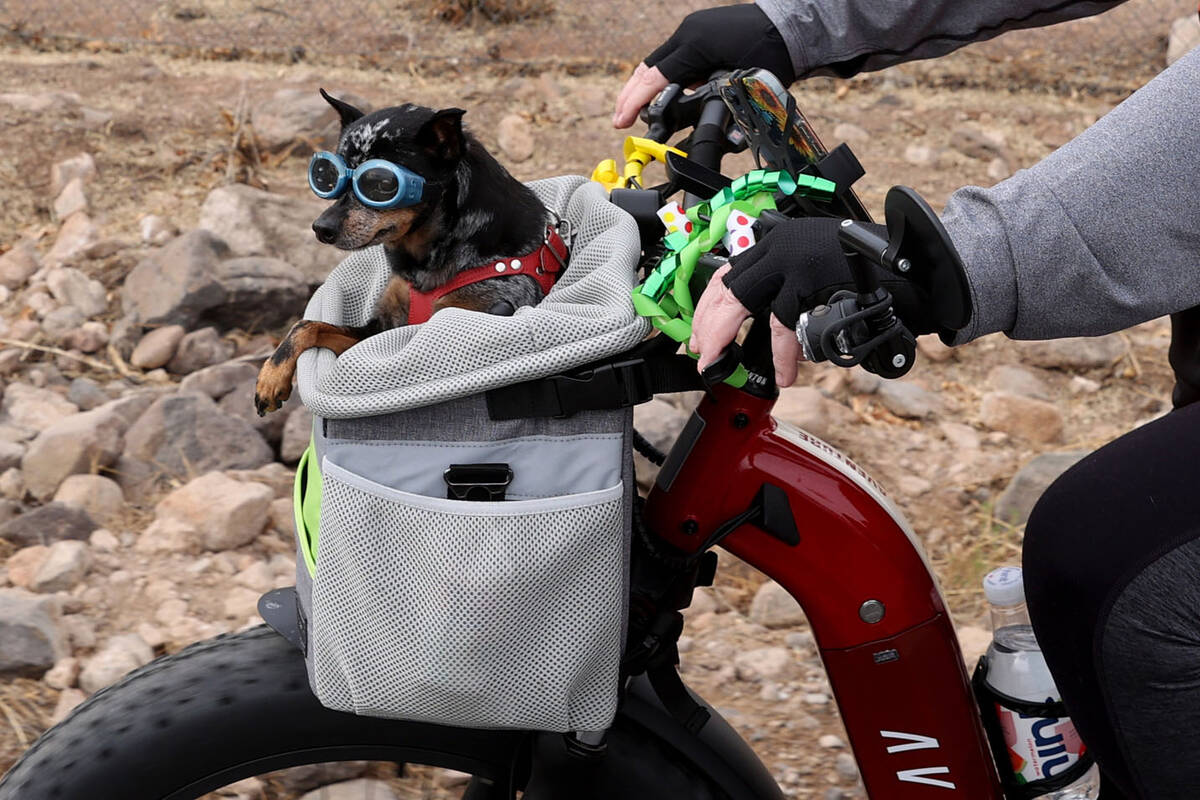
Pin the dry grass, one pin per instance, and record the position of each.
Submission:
(502, 12)
(25, 709)
(964, 561)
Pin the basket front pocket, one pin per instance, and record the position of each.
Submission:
(478, 614)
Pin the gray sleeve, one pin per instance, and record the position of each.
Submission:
(844, 37)
(1102, 234)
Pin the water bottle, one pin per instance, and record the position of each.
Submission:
(1038, 747)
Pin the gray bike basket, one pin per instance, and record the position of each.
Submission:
(489, 614)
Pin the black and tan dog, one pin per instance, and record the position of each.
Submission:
(457, 228)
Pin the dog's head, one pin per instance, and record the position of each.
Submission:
(419, 140)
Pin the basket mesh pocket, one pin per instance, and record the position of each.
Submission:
(492, 615)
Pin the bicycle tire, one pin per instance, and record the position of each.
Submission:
(240, 705)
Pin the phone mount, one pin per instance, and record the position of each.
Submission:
(861, 327)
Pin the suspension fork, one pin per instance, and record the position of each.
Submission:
(826, 532)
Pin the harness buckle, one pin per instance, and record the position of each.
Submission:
(618, 385)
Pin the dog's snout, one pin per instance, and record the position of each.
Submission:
(325, 230)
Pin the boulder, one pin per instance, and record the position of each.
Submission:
(99, 496)
(240, 403)
(47, 524)
(297, 432)
(1018, 498)
(220, 379)
(773, 607)
(77, 444)
(187, 434)
(18, 264)
(31, 637)
(226, 513)
(1185, 35)
(1035, 420)
(34, 408)
(157, 347)
(300, 119)
(177, 285)
(200, 349)
(907, 399)
(71, 287)
(262, 292)
(258, 223)
(66, 563)
(1086, 352)
(118, 656)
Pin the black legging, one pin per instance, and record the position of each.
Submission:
(1112, 576)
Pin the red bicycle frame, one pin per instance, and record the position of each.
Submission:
(861, 577)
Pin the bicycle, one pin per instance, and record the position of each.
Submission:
(779, 499)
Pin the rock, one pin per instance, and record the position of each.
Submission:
(226, 513)
(220, 379)
(86, 394)
(1035, 420)
(862, 382)
(63, 674)
(34, 408)
(276, 476)
(176, 285)
(260, 292)
(10, 454)
(157, 230)
(764, 663)
(240, 603)
(1185, 35)
(908, 399)
(974, 143)
(99, 496)
(301, 117)
(297, 432)
(200, 349)
(913, 485)
(12, 485)
(240, 404)
(188, 434)
(40, 103)
(82, 166)
(76, 235)
(103, 540)
(850, 133)
(773, 607)
(70, 199)
(932, 348)
(845, 766)
(831, 742)
(75, 445)
(31, 636)
(157, 347)
(65, 565)
(168, 535)
(998, 169)
(1081, 385)
(961, 437)
(352, 790)
(1018, 498)
(25, 563)
(920, 155)
(18, 264)
(805, 407)
(71, 287)
(87, 338)
(130, 407)
(659, 421)
(1017, 380)
(120, 655)
(974, 642)
(515, 136)
(1086, 352)
(68, 701)
(41, 304)
(48, 524)
(311, 776)
(258, 223)
(60, 322)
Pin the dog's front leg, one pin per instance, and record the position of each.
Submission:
(275, 378)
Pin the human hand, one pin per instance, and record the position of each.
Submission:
(725, 37)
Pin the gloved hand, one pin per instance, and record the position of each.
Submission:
(725, 37)
(799, 264)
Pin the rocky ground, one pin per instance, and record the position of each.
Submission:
(160, 247)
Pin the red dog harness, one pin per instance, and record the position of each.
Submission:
(543, 265)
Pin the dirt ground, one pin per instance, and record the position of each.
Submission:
(161, 143)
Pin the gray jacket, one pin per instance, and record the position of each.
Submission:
(1103, 233)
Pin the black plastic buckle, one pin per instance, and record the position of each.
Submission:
(620, 384)
(480, 482)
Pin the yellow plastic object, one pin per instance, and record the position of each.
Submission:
(638, 152)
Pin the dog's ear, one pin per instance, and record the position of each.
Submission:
(442, 135)
(347, 112)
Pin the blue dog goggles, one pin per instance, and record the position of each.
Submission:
(376, 183)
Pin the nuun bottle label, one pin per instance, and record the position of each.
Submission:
(1039, 747)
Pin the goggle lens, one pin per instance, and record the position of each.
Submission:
(378, 185)
(324, 175)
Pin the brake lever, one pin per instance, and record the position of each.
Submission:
(724, 366)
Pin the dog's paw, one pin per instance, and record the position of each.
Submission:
(273, 389)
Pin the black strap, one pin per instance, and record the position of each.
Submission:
(604, 386)
(664, 677)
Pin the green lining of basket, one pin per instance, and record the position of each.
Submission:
(306, 504)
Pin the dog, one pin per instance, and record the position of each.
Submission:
(457, 229)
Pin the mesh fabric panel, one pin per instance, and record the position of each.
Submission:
(586, 316)
(486, 615)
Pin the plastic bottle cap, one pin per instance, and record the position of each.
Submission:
(1004, 586)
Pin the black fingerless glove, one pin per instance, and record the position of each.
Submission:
(726, 37)
(800, 263)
